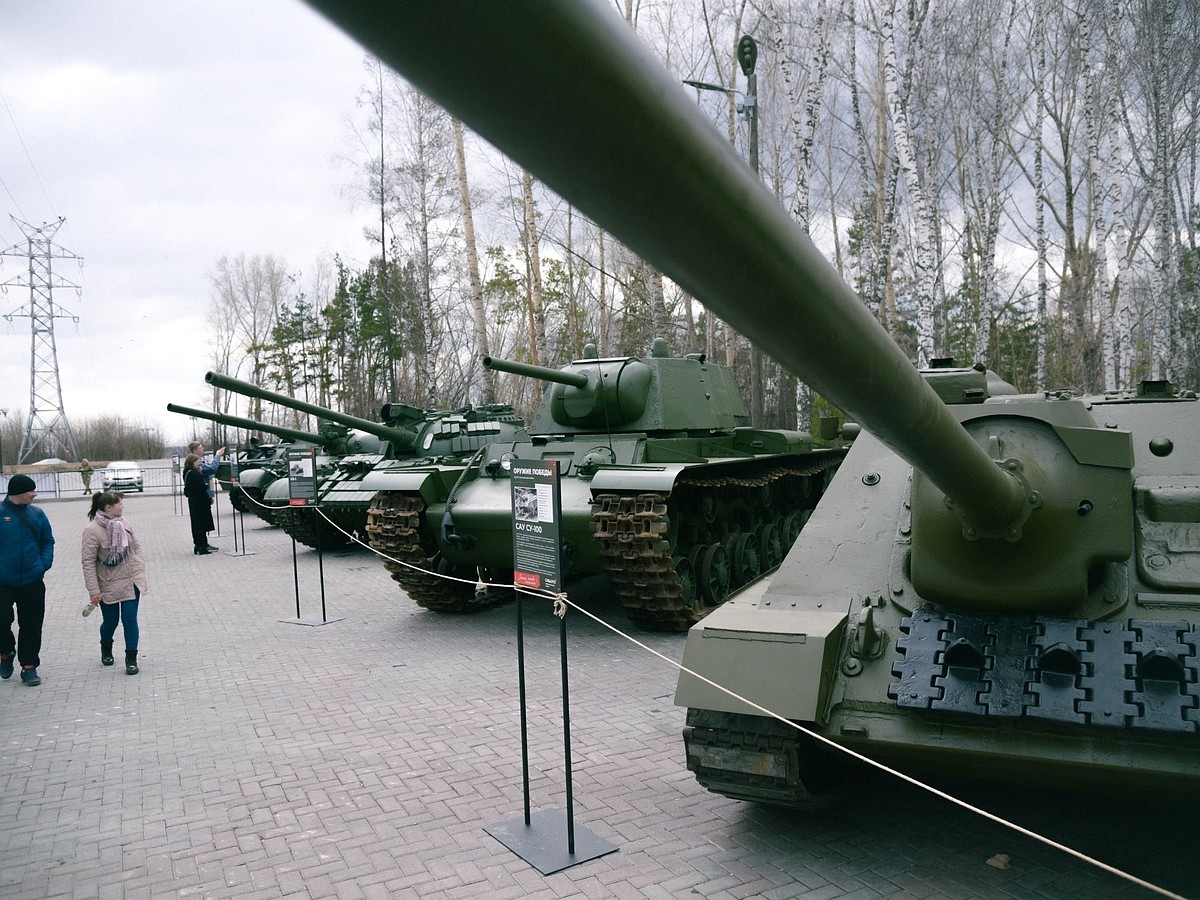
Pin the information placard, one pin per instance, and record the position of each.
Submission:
(537, 514)
(302, 476)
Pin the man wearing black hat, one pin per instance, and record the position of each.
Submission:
(26, 554)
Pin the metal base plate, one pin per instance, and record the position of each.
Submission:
(543, 842)
(313, 622)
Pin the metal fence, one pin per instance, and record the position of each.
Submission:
(156, 479)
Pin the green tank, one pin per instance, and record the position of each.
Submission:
(261, 484)
(357, 446)
(1003, 586)
(664, 486)
(255, 455)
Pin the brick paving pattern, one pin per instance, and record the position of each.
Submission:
(362, 759)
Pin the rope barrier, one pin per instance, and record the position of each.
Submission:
(561, 602)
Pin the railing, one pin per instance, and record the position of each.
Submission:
(157, 479)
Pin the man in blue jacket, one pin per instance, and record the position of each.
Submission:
(26, 555)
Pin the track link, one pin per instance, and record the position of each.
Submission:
(674, 558)
(303, 524)
(761, 760)
(394, 528)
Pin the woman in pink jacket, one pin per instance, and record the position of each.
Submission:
(115, 574)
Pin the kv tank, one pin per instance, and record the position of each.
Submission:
(1005, 586)
(405, 435)
(663, 486)
(262, 488)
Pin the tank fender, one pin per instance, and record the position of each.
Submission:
(406, 480)
(254, 478)
(642, 478)
(757, 440)
(795, 653)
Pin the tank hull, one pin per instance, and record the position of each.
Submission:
(1101, 693)
(676, 536)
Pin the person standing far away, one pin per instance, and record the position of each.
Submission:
(195, 489)
(114, 572)
(85, 472)
(208, 471)
(26, 555)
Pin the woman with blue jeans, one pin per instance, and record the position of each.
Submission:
(115, 574)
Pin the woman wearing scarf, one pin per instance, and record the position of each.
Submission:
(115, 574)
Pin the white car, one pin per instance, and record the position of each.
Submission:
(122, 475)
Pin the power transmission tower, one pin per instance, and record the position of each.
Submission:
(47, 426)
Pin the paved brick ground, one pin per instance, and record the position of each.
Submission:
(259, 758)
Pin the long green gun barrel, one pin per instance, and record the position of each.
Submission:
(558, 376)
(282, 431)
(679, 196)
(401, 438)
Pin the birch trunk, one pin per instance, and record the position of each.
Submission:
(924, 262)
(537, 311)
(474, 283)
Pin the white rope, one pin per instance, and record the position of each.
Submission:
(560, 603)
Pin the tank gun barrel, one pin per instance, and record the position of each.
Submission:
(282, 431)
(402, 438)
(682, 199)
(558, 376)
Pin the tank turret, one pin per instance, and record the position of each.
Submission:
(1004, 585)
(658, 393)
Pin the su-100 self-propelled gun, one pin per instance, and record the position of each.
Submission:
(351, 447)
(1009, 584)
(663, 485)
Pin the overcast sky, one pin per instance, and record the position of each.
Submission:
(166, 135)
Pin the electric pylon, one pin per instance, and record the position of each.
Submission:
(47, 426)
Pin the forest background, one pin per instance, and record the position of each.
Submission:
(1012, 183)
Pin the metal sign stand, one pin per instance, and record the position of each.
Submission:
(302, 492)
(239, 517)
(537, 559)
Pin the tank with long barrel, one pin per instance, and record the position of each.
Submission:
(255, 478)
(1007, 584)
(406, 434)
(402, 438)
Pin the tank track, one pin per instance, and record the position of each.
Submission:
(302, 524)
(759, 759)
(237, 499)
(674, 558)
(394, 529)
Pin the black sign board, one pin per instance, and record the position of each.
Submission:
(302, 476)
(537, 514)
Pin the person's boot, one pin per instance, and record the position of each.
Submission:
(106, 657)
(6, 666)
(131, 667)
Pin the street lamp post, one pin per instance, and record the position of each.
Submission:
(747, 55)
(4, 413)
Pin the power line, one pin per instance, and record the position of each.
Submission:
(28, 156)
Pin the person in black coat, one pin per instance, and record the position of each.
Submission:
(195, 489)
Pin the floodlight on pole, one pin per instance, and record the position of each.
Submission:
(747, 56)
